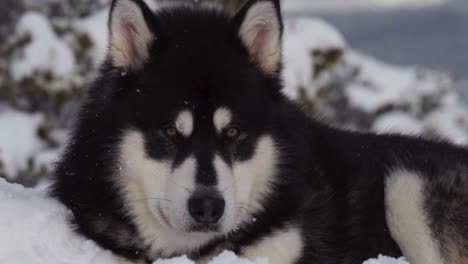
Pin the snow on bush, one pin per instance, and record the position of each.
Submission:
(355, 91)
(95, 26)
(24, 155)
(34, 229)
(301, 38)
(19, 141)
(45, 53)
(398, 122)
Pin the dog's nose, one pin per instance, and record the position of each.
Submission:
(206, 208)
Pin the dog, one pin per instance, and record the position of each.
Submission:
(187, 145)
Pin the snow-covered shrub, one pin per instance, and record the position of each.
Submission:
(355, 91)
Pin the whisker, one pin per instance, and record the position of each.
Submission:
(181, 186)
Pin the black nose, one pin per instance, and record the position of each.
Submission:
(206, 208)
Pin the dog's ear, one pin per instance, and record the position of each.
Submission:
(260, 27)
(131, 25)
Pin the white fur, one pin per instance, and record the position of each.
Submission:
(180, 185)
(226, 186)
(255, 177)
(130, 36)
(282, 247)
(245, 185)
(221, 118)
(407, 218)
(142, 177)
(261, 33)
(184, 123)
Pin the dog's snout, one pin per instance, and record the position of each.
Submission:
(206, 208)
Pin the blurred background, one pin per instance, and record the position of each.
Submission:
(368, 65)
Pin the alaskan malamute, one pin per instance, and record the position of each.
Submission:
(186, 145)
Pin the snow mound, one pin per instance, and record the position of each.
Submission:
(44, 53)
(34, 229)
(226, 257)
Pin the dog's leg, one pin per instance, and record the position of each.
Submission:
(407, 218)
(428, 216)
(282, 247)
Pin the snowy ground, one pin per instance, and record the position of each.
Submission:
(34, 229)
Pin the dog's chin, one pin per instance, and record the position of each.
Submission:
(205, 229)
(221, 228)
(191, 229)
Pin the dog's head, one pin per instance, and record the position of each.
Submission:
(195, 92)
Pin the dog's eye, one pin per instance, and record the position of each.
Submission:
(232, 132)
(170, 131)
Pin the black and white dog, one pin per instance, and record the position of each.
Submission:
(186, 145)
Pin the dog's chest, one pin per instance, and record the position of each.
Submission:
(281, 247)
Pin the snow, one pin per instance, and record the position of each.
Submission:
(386, 260)
(449, 122)
(44, 159)
(372, 86)
(398, 122)
(35, 230)
(19, 141)
(227, 257)
(380, 84)
(96, 28)
(301, 37)
(45, 53)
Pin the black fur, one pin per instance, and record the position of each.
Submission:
(331, 182)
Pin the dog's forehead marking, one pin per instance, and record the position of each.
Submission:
(184, 123)
(221, 118)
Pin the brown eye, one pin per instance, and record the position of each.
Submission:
(170, 131)
(232, 132)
